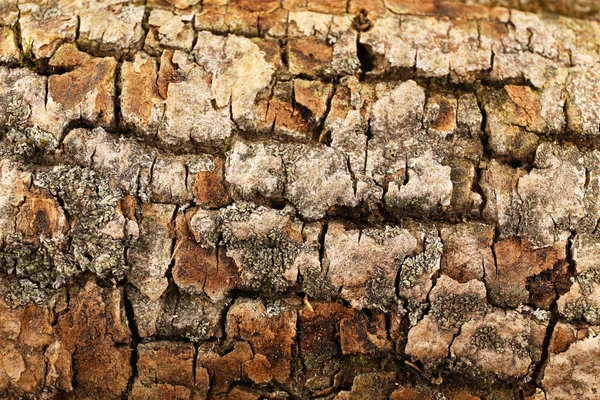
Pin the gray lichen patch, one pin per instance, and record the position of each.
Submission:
(316, 180)
(241, 211)
(379, 293)
(29, 140)
(552, 194)
(22, 292)
(453, 310)
(364, 266)
(582, 302)
(124, 162)
(451, 304)
(583, 309)
(38, 258)
(34, 272)
(83, 193)
(91, 205)
(486, 337)
(17, 112)
(383, 234)
(416, 270)
(266, 245)
(26, 138)
(266, 258)
(504, 343)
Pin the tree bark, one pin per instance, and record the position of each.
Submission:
(278, 199)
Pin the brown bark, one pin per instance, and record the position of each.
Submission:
(276, 199)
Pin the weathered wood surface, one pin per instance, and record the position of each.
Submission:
(299, 199)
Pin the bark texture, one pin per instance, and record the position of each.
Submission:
(299, 199)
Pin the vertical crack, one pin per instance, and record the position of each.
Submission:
(135, 340)
(320, 134)
(322, 236)
(77, 28)
(117, 99)
(538, 373)
(195, 39)
(46, 92)
(369, 135)
(494, 241)
(195, 363)
(176, 243)
(352, 174)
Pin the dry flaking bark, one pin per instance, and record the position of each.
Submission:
(252, 199)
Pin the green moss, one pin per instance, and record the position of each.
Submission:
(358, 359)
(27, 57)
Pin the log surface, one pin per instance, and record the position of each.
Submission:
(299, 199)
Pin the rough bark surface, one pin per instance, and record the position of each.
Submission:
(252, 199)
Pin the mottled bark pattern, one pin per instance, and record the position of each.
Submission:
(248, 199)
